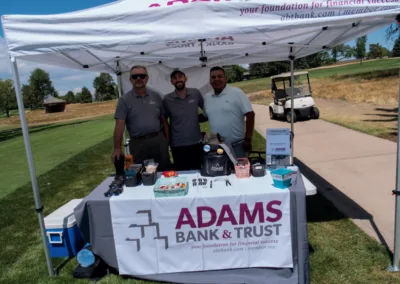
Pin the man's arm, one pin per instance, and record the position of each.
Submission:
(165, 114)
(248, 139)
(249, 125)
(202, 116)
(118, 134)
(164, 122)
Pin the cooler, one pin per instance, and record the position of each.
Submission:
(63, 235)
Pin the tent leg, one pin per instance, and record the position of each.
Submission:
(120, 92)
(396, 256)
(291, 108)
(35, 187)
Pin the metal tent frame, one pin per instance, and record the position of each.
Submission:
(295, 51)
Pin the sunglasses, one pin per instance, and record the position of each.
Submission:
(141, 76)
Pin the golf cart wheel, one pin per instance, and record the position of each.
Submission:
(315, 113)
(289, 117)
(271, 114)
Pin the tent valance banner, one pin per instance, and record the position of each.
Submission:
(184, 33)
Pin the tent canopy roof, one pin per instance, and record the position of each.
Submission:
(191, 33)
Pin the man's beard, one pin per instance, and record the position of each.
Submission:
(180, 86)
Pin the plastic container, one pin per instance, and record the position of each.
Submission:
(242, 168)
(133, 175)
(86, 256)
(63, 235)
(149, 178)
(171, 187)
(258, 170)
(282, 177)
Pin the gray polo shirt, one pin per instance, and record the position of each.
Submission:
(141, 114)
(183, 114)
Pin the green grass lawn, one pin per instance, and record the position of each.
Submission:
(51, 146)
(261, 84)
(340, 251)
(12, 113)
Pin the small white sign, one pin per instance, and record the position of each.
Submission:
(278, 141)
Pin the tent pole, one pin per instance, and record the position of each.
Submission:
(35, 187)
(291, 107)
(120, 92)
(396, 255)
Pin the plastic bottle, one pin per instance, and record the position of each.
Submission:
(85, 256)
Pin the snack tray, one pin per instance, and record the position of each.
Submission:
(171, 186)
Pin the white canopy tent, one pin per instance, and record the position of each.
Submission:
(192, 35)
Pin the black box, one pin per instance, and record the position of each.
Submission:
(258, 170)
(149, 178)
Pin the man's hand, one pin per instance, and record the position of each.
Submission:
(247, 144)
(116, 155)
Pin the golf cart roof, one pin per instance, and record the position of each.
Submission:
(288, 74)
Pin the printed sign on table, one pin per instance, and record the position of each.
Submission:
(278, 141)
(167, 235)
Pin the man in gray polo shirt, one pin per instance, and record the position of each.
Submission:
(229, 113)
(141, 110)
(182, 107)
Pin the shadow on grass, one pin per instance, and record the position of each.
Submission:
(391, 114)
(381, 120)
(380, 114)
(22, 257)
(330, 204)
(16, 132)
(387, 109)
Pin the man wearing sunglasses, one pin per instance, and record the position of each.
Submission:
(182, 107)
(229, 113)
(141, 111)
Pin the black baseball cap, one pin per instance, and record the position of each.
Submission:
(176, 71)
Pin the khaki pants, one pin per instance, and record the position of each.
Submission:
(151, 148)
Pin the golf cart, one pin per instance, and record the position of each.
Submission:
(303, 103)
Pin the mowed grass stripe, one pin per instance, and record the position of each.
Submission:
(50, 146)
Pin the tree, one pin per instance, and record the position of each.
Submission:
(26, 96)
(375, 51)
(341, 52)
(116, 90)
(69, 97)
(78, 97)
(258, 70)
(385, 52)
(234, 73)
(8, 100)
(85, 96)
(392, 32)
(40, 87)
(360, 49)
(396, 48)
(104, 87)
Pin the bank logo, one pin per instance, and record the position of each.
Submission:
(217, 168)
(150, 223)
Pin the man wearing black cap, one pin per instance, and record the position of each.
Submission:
(182, 107)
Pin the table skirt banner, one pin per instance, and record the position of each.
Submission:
(198, 233)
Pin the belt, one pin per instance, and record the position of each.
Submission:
(150, 135)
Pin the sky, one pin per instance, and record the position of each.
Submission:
(67, 79)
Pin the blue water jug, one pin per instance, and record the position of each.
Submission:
(85, 256)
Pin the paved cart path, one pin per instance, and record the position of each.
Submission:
(355, 171)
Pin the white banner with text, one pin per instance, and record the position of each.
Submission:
(166, 235)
